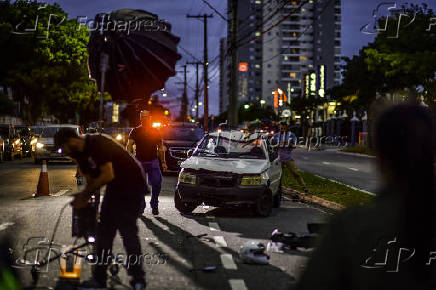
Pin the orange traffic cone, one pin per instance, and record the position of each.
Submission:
(43, 185)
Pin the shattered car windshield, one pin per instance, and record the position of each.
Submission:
(225, 147)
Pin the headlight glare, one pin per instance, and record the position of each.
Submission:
(39, 145)
(119, 137)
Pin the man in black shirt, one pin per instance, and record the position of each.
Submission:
(149, 147)
(104, 162)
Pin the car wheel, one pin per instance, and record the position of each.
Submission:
(183, 207)
(264, 204)
(277, 199)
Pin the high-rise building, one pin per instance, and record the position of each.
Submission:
(279, 44)
(300, 42)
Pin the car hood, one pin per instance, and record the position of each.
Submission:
(233, 165)
(179, 143)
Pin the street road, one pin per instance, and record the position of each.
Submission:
(357, 171)
(169, 239)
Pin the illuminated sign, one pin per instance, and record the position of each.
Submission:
(306, 85)
(243, 66)
(115, 113)
(321, 91)
(312, 84)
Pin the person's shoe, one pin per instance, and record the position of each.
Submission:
(155, 210)
(92, 284)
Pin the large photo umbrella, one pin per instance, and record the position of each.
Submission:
(135, 51)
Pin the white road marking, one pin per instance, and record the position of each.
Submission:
(305, 158)
(354, 169)
(326, 163)
(4, 226)
(214, 227)
(349, 186)
(237, 284)
(227, 261)
(287, 198)
(220, 242)
(60, 192)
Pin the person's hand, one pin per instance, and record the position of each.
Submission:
(164, 167)
(80, 200)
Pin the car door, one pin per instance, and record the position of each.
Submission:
(275, 168)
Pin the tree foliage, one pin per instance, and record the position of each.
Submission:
(390, 63)
(46, 66)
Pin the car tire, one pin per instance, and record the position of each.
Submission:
(277, 199)
(264, 204)
(183, 207)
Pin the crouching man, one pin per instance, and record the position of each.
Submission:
(105, 162)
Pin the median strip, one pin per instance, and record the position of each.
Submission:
(324, 192)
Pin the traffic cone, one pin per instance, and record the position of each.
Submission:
(43, 188)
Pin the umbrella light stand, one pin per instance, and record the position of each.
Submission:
(104, 62)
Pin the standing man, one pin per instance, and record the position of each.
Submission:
(149, 147)
(285, 141)
(104, 162)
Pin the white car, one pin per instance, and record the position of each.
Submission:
(230, 169)
(45, 149)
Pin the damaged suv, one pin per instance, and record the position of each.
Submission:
(229, 169)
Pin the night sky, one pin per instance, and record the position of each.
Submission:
(355, 14)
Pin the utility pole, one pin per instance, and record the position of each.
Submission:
(184, 110)
(205, 73)
(197, 91)
(233, 53)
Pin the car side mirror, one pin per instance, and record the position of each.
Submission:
(190, 152)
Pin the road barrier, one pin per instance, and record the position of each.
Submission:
(43, 188)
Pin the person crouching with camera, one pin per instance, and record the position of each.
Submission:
(105, 162)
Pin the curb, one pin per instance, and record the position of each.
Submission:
(355, 154)
(312, 199)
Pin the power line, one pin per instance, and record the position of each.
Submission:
(214, 9)
(190, 54)
(276, 24)
(304, 31)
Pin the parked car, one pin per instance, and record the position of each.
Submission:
(178, 138)
(12, 142)
(28, 140)
(230, 169)
(45, 149)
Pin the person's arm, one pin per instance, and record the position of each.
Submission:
(161, 155)
(106, 176)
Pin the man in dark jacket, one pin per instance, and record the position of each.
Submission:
(104, 162)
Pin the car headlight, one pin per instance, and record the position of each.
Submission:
(33, 141)
(251, 180)
(39, 145)
(119, 137)
(188, 178)
(17, 142)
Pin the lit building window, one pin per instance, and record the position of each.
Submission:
(303, 57)
(293, 75)
(257, 33)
